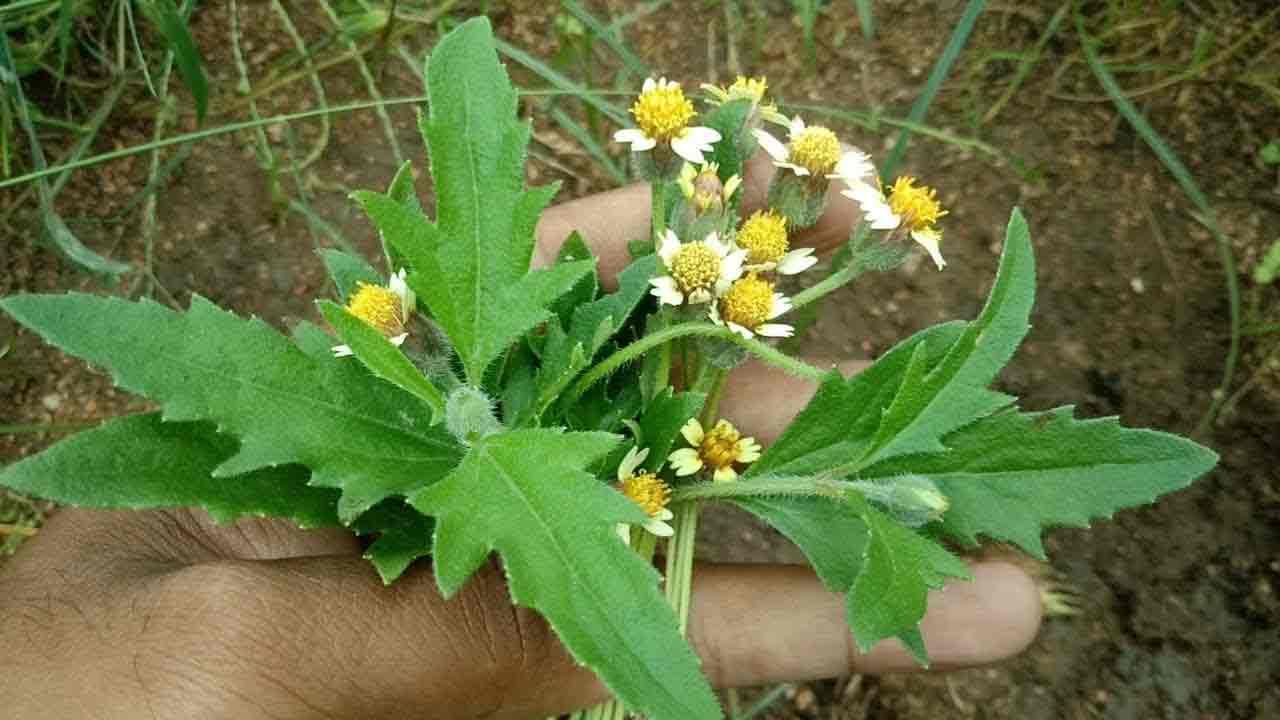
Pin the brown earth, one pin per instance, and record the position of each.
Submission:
(1178, 601)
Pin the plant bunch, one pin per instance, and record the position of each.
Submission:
(471, 404)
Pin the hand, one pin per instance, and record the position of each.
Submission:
(164, 614)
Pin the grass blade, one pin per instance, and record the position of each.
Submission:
(173, 26)
(959, 37)
(1193, 192)
(1027, 63)
(560, 81)
(588, 143)
(866, 18)
(613, 40)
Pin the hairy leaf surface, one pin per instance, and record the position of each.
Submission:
(139, 462)
(1012, 475)
(510, 494)
(354, 431)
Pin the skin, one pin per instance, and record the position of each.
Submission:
(164, 614)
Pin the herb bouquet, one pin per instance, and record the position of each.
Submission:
(471, 404)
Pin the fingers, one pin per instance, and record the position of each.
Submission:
(329, 631)
(610, 220)
(761, 400)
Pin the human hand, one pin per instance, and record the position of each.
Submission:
(121, 615)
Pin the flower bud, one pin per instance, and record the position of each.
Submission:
(469, 414)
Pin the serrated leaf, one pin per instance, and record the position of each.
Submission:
(509, 494)
(138, 462)
(934, 400)
(729, 119)
(404, 535)
(354, 431)
(383, 359)
(891, 593)
(831, 536)
(583, 291)
(1012, 475)
(347, 271)
(661, 422)
(476, 280)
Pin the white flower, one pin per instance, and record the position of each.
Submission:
(718, 450)
(764, 237)
(696, 271)
(662, 114)
(810, 150)
(386, 309)
(647, 491)
(748, 305)
(914, 207)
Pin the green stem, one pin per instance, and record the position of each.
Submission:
(765, 352)
(680, 561)
(833, 282)
(765, 486)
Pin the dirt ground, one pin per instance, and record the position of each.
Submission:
(1179, 610)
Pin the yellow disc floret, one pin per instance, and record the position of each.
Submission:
(719, 447)
(752, 88)
(816, 149)
(647, 491)
(917, 206)
(695, 267)
(748, 302)
(663, 112)
(764, 237)
(378, 306)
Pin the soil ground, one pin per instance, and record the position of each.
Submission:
(1178, 602)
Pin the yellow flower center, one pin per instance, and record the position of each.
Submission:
(379, 307)
(663, 112)
(816, 149)
(647, 491)
(917, 206)
(764, 237)
(719, 448)
(745, 87)
(748, 302)
(695, 267)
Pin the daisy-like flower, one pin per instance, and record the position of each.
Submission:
(764, 237)
(696, 271)
(745, 88)
(717, 450)
(662, 114)
(914, 208)
(810, 149)
(703, 189)
(385, 309)
(748, 306)
(648, 491)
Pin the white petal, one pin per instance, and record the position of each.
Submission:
(731, 266)
(687, 149)
(659, 528)
(638, 140)
(699, 296)
(705, 137)
(649, 84)
(725, 474)
(796, 127)
(664, 288)
(718, 246)
(797, 169)
(771, 145)
(740, 330)
(797, 261)
(399, 339)
(748, 450)
(781, 304)
(342, 351)
(668, 247)
(731, 186)
(929, 239)
(714, 312)
(632, 460)
(402, 291)
(685, 462)
(776, 330)
(854, 167)
(624, 532)
(692, 431)
(665, 514)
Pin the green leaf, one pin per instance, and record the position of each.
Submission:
(57, 233)
(383, 359)
(139, 462)
(830, 535)
(661, 422)
(404, 535)
(934, 400)
(891, 593)
(347, 271)
(583, 291)
(1013, 474)
(173, 26)
(354, 431)
(509, 494)
(729, 119)
(471, 267)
